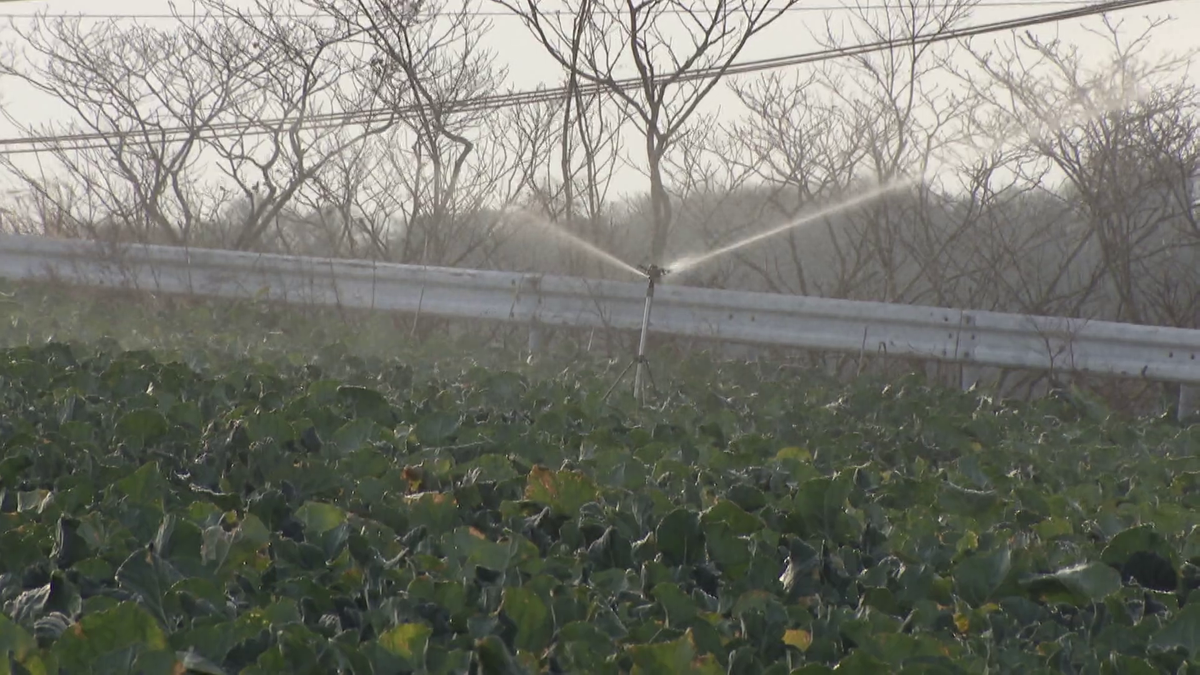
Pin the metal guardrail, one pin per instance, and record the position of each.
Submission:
(970, 338)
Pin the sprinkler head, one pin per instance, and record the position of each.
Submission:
(654, 272)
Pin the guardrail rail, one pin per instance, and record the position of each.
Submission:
(970, 338)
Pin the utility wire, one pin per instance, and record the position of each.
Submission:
(481, 103)
(983, 4)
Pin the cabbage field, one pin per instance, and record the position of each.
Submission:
(270, 496)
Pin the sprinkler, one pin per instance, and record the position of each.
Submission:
(653, 274)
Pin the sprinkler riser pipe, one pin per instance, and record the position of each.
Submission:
(641, 353)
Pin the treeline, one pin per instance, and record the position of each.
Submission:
(369, 130)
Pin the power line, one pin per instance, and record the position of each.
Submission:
(481, 103)
(545, 95)
(999, 4)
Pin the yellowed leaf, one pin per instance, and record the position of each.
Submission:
(798, 454)
(962, 622)
(798, 638)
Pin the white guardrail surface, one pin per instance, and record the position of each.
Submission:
(967, 337)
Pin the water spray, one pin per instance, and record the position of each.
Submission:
(1091, 110)
(641, 364)
(653, 274)
(688, 262)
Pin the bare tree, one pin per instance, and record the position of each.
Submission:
(1126, 159)
(837, 131)
(312, 105)
(345, 210)
(1009, 257)
(138, 86)
(255, 100)
(585, 149)
(51, 210)
(791, 150)
(671, 83)
(908, 119)
(452, 161)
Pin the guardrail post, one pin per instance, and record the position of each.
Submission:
(536, 338)
(531, 284)
(969, 373)
(933, 372)
(970, 376)
(1189, 402)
